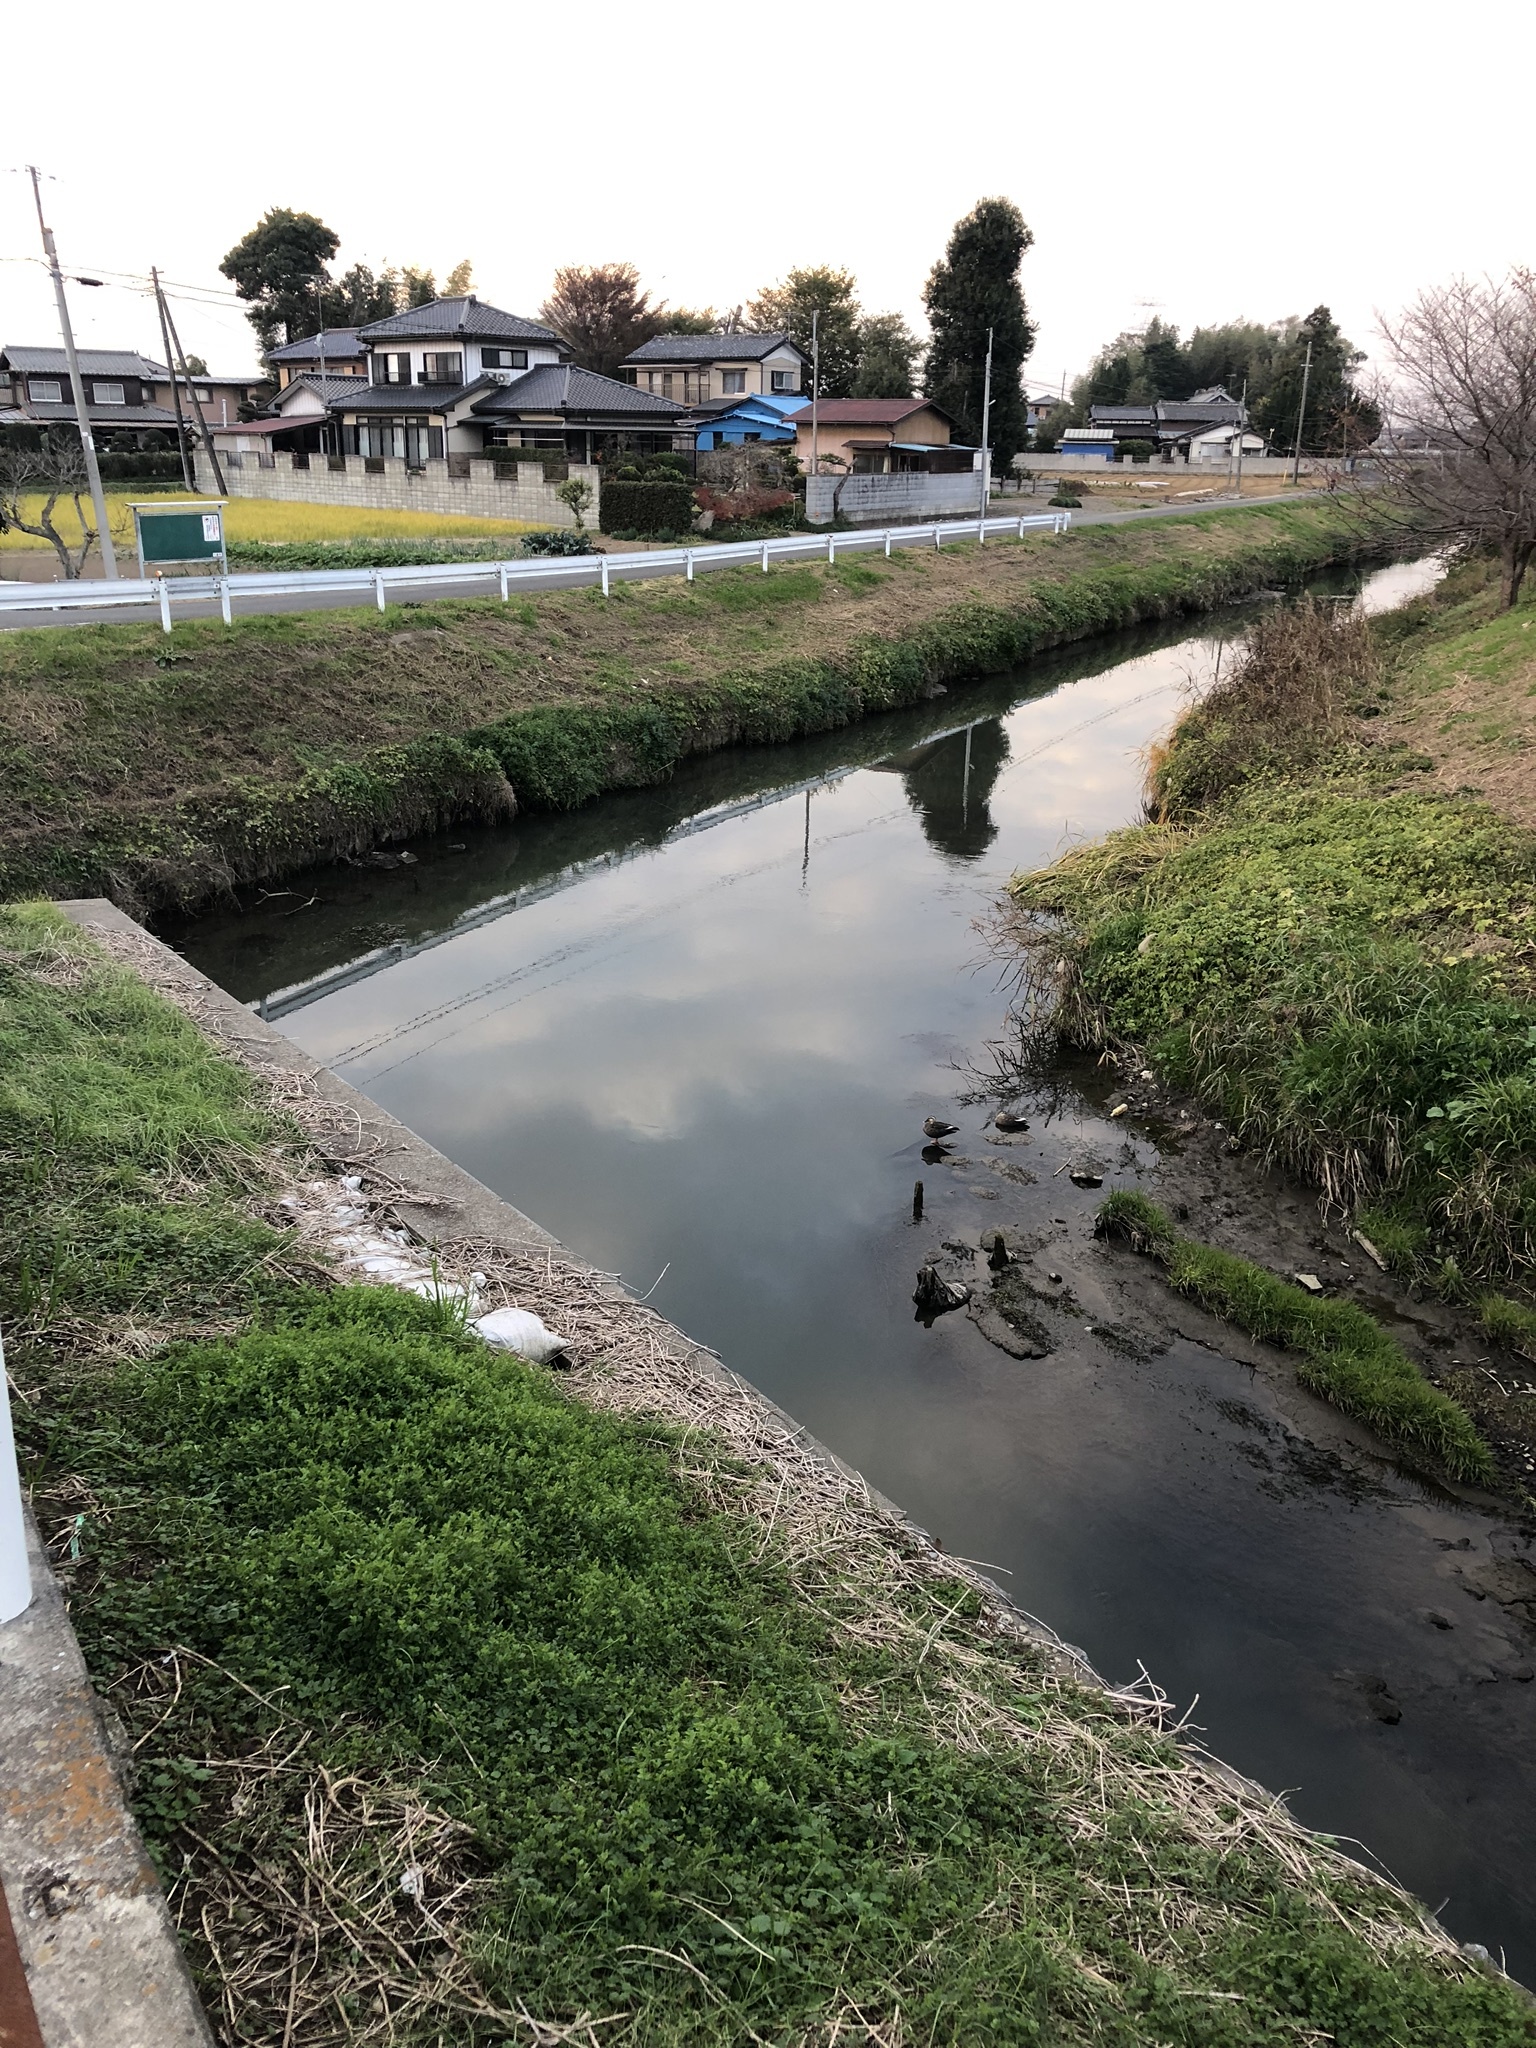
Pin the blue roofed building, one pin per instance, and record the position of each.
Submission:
(728, 422)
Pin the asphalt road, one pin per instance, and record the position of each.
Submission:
(559, 575)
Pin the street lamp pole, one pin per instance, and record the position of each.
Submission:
(77, 387)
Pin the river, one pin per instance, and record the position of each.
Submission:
(694, 1031)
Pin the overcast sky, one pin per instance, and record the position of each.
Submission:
(1197, 160)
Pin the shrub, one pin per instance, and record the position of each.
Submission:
(1282, 702)
(648, 508)
(1065, 494)
(557, 540)
(759, 505)
(1138, 451)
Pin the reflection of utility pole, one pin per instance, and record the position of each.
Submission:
(1306, 372)
(77, 387)
(965, 781)
(805, 858)
(170, 364)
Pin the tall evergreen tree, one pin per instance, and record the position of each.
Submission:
(277, 268)
(973, 287)
(787, 308)
(1339, 418)
(888, 352)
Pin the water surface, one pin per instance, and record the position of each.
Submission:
(694, 1032)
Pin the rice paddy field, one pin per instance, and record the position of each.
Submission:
(266, 519)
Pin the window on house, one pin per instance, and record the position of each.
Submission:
(504, 358)
(442, 369)
(733, 380)
(784, 380)
(666, 383)
(203, 395)
(391, 369)
(45, 390)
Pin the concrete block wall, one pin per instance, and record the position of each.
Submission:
(480, 495)
(877, 500)
(1095, 465)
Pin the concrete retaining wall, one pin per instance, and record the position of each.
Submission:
(882, 500)
(394, 488)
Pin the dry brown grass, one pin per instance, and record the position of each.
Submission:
(318, 1944)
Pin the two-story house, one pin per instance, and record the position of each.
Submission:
(335, 353)
(126, 394)
(120, 390)
(696, 368)
(456, 378)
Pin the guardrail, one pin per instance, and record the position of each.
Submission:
(542, 571)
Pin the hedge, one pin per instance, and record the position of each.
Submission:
(646, 508)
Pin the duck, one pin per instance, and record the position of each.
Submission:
(935, 1127)
(1010, 1120)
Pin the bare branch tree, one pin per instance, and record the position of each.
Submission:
(1460, 454)
(53, 469)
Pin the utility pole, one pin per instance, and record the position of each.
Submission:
(815, 393)
(986, 452)
(197, 404)
(1306, 372)
(1242, 433)
(77, 387)
(170, 364)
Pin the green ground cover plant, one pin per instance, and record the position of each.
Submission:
(1342, 1353)
(163, 769)
(1319, 943)
(329, 1555)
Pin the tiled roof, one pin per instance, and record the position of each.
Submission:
(339, 342)
(353, 395)
(562, 387)
(708, 348)
(464, 316)
(332, 390)
(94, 362)
(866, 412)
(99, 415)
(1213, 412)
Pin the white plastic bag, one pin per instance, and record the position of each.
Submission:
(519, 1330)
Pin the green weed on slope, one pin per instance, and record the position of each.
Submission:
(1342, 1354)
(323, 1542)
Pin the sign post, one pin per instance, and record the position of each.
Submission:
(175, 531)
(15, 1572)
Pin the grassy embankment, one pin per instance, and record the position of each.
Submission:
(1329, 938)
(462, 1710)
(162, 767)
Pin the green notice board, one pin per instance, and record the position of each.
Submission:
(179, 533)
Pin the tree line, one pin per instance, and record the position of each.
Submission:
(602, 313)
(1265, 363)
